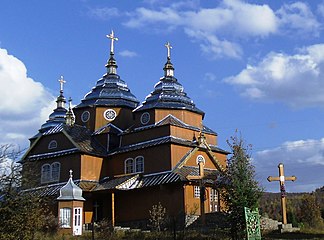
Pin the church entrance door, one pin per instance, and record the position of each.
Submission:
(213, 200)
(77, 221)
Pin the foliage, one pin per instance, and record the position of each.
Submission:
(104, 229)
(240, 187)
(310, 212)
(303, 209)
(157, 217)
(21, 214)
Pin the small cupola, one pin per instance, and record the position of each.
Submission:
(59, 113)
(70, 191)
(69, 118)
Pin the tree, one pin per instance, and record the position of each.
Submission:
(239, 185)
(22, 214)
(157, 217)
(311, 212)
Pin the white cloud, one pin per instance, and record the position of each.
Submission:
(218, 30)
(296, 80)
(104, 13)
(302, 158)
(23, 101)
(127, 53)
(297, 17)
(215, 48)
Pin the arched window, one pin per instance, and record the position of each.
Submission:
(56, 171)
(129, 165)
(139, 164)
(52, 144)
(46, 173)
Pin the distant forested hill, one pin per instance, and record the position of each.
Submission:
(270, 205)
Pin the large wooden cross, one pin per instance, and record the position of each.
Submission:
(282, 180)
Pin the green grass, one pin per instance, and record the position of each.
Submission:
(183, 235)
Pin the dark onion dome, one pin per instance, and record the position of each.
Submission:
(110, 90)
(59, 113)
(168, 92)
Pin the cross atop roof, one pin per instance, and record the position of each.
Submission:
(169, 47)
(62, 81)
(112, 37)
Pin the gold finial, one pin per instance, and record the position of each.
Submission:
(112, 37)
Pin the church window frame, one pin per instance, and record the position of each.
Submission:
(85, 116)
(46, 173)
(196, 192)
(55, 171)
(65, 217)
(52, 144)
(145, 118)
(110, 114)
(139, 164)
(129, 165)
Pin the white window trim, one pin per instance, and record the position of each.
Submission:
(65, 217)
(125, 163)
(48, 177)
(52, 144)
(196, 192)
(135, 164)
(59, 171)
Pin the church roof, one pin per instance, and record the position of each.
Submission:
(160, 141)
(172, 120)
(80, 136)
(110, 90)
(168, 93)
(134, 181)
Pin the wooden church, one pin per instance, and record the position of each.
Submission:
(126, 156)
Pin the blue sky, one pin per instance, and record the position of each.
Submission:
(254, 66)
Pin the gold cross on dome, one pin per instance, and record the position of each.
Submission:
(169, 47)
(62, 81)
(112, 37)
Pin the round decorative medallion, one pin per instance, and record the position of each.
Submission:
(145, 118)
(200, 158)
(85, 116)
(110, 114)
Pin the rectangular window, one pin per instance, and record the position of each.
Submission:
(213, 195)
(196, 191)
(65, 217)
